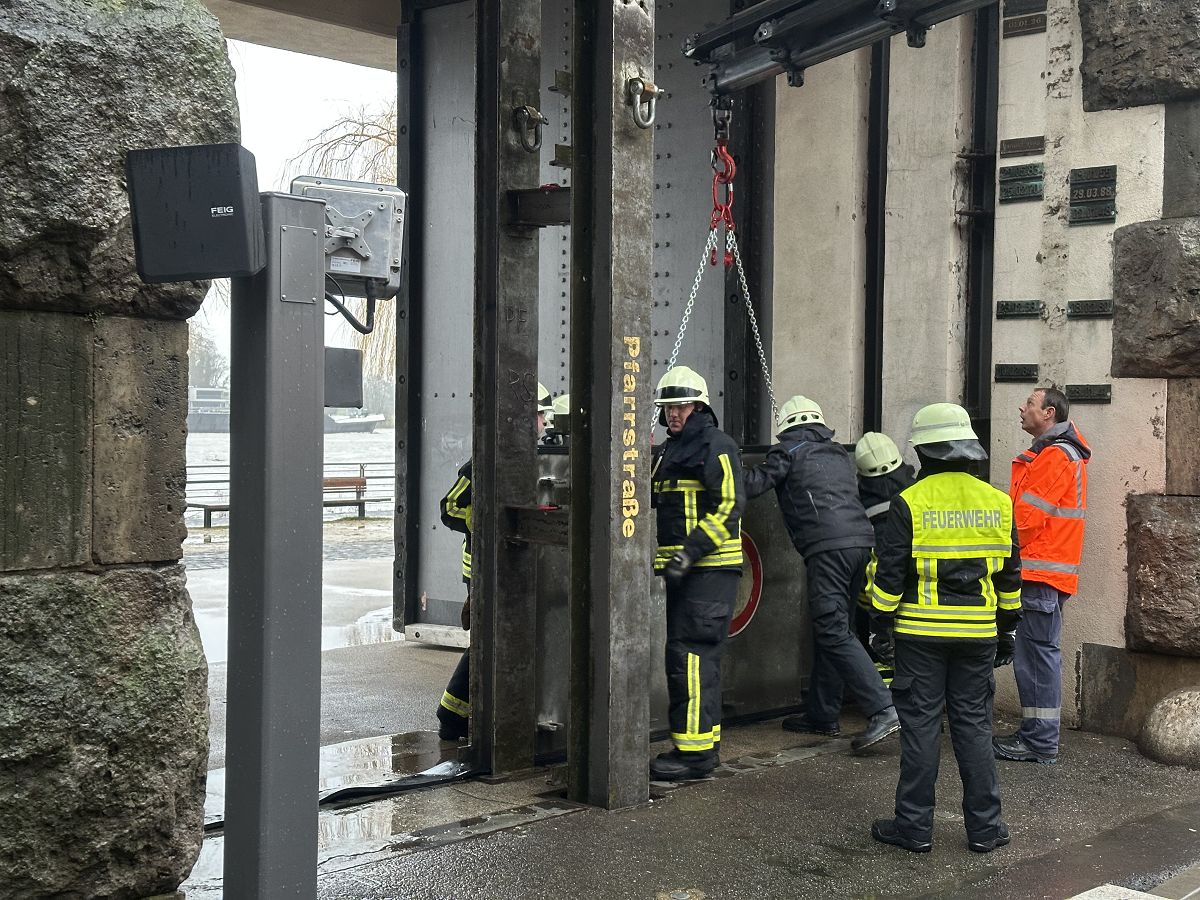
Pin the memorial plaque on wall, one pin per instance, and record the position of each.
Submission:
(1090, 309)
(1093, 195)
(1016, 372)
(1089, 393)
(1026, 146)
(1034, 23)
(1019, 309)
(1023, 7)
(1018, 183)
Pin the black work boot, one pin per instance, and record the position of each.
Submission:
(677, 766)
(987, 846)
(802, 724)
(883, 724)
(886, 832)
(1015, 749)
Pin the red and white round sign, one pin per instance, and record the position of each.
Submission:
(750, 588)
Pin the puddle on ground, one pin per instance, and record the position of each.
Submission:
(364, 762)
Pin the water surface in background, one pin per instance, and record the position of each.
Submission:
(378, 447)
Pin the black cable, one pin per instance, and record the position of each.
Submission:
(360, 327)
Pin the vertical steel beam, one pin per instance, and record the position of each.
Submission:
(503, 641)
(612, 530)
(276, 443)
(876, 227)
(410, 360)
(982, 201)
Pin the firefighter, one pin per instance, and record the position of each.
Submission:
(948, 584)
(882, 474)
(454, 710)
(814, 480)
(1049, 494)
(697, 489)
(558, 423)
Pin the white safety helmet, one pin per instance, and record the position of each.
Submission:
(562, 405)
(544, 404)
(943, 431)
(681, 385)
(799, 411)
(876, 454)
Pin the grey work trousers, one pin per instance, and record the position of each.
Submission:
(1037, 666)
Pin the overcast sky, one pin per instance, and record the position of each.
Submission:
(285, 100)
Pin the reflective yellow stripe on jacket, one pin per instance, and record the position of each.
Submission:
(729, 545)
(956, 520)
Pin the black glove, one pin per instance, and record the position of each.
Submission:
(883, 646)
(1006, 648)
(677, 568)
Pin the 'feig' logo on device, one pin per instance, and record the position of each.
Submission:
(219, 211)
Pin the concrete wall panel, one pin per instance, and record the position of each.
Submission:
(1040, 256)
(820, 241)
(929, 123)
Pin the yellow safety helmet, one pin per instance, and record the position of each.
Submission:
(876, 454)
(681, 385)
(799, 410)
(543, 400)
(943, 431)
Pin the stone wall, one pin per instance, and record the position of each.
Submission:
(103, 710)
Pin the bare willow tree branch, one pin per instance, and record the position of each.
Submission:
(360, 146)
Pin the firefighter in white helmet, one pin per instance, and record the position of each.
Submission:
(882, 474)
(813, 478)
(454, 710)
(697, 489)
(948, 582)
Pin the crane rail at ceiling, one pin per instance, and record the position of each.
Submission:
(788, 36)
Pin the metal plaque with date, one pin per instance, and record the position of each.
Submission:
(1093, 195)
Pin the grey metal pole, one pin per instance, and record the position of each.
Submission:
(612, 529)
(276, 445)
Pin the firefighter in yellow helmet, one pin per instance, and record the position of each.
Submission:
(454, 710)
(947, 582)
(697, 489)
(813, 478)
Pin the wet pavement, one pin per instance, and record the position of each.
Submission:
(786, 817)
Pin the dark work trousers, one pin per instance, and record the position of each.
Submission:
(698, 614)
(957, 675)
(455, 709)
(840, 662)
(1037, 665)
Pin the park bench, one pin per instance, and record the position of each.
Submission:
(339, 486)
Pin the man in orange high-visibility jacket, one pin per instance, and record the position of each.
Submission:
(1049, 493)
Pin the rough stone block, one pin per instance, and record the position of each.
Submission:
(83, 82)
(103, 733)
(140, 436)
(1183, 424)
(1139, 52)
(1164, 574)
(45, 440)
(1172, 731)
(1156, 290)
(1118, 688)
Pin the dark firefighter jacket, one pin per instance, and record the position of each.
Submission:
(698, 491)
(949, 565)
(456, 513)
(876, 493)
(815, 481)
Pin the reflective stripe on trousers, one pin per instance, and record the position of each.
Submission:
(1037, 666)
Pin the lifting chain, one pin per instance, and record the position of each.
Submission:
(724, 170)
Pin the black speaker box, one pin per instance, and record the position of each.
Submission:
(196, 212)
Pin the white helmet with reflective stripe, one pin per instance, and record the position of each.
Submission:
(800, 411)
(681, 385)
(876, 454)
(562, 404)
(543, 399)
(943, 431)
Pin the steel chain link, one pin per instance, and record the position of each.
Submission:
(732, 244)
(709, 246)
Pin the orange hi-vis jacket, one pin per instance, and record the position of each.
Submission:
(1049, 494)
